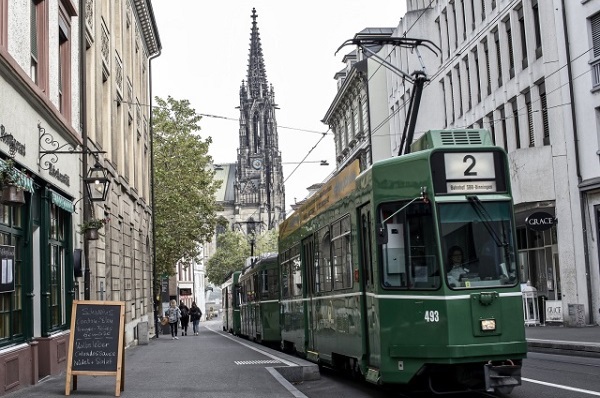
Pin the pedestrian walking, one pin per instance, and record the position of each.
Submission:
(174, 315)
(185, 318)
(195, 314)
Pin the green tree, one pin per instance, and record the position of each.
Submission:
(184, 189)
(266, 242)
(232, 251)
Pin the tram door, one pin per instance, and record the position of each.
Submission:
(308, 258)
(367, 286)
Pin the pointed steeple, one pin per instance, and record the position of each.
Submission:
(257, 76)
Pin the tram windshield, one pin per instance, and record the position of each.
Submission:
(478, 242)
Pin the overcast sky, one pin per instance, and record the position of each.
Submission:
(204, 59)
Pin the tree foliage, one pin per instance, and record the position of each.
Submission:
(266, 242)
(233, 249)
(184, 189)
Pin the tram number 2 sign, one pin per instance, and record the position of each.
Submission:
(469, 172)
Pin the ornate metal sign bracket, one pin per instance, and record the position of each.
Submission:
(49, 146)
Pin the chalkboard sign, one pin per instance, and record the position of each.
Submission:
(96, 341)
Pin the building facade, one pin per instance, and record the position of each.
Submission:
(259, 192)
(121, 39)
(520, 69)
(252, 192)
(74, 76)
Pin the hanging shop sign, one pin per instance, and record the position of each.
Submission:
(540, 221)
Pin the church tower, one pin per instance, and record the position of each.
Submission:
(259, 191)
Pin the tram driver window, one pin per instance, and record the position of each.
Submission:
(483, 231)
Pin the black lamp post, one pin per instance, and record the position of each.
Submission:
(97, 187)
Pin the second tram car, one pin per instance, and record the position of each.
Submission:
(259, 305)
(369, 280)
(230, 299)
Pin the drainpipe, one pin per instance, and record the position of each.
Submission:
(155, 276)
(84, 136)
(577, 165)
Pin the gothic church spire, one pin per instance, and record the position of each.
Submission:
(257, 76)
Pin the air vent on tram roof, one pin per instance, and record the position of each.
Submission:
(444, 138)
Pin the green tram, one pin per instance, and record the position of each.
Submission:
(366, 279)
(230, 300)
(259, 305)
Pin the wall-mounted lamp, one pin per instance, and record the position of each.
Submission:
(97, 183)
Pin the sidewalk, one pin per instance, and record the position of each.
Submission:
(213, 364)
(581, 341)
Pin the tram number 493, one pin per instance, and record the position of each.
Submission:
(432, 316)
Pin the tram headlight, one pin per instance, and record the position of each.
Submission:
(488, 324)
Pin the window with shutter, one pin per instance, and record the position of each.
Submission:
(459, 84)
(544, 105)
(596, 34)
(538, 29)
(477, 75)
(595, 25)
(468, 71)
(524, 62)
(490, 118)
(498, 56)
(486, 53)
(511, 55)
(451, 86)
(515, 114)
(503, 126)
(483, 9)
(529, 119)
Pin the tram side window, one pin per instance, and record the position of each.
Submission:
(291, 282)
(269, 288)
(296, 275)
(342, 260)
(322, 261)
(408, 258)
(285, 269)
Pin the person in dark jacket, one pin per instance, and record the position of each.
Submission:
(185, 318)
(195, 315)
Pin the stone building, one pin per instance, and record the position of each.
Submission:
(74, 78)
(121, 39)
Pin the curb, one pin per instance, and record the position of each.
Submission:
(559, 347)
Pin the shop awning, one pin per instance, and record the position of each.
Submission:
(62, 202)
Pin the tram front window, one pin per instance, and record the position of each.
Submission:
(481, 234)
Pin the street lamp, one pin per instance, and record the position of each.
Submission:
(97, 183)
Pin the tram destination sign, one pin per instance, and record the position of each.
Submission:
(468, 172)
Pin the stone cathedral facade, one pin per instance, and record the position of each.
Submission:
(258, 194)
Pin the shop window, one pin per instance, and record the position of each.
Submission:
(56, 273)
(11, 299)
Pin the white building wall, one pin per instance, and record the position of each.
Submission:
(587, 104)
(543, 175)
